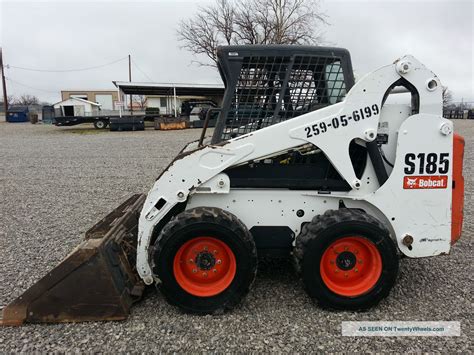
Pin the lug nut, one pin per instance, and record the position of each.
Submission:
(356, 270)
(219, 261)
(346, 275)
(194, 271)
(191, 261)
(214, 270)
(204, 274)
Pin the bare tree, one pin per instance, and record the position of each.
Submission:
(10, 100)
(447, 97)
(140, 100)
(24, 100)
(251, 22)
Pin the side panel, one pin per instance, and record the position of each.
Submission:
(279, 207)
(416, 198)
(268, 207)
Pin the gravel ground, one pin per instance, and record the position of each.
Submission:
(57, 182)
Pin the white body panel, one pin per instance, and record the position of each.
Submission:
(196, 177)
(81, 107)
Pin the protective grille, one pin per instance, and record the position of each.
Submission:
(272, 89)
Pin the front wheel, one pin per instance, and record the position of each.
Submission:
(206, 260)
(347, 259)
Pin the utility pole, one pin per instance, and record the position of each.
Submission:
(130, 80)
(4, 84)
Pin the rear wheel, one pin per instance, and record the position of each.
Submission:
(206, 260)
(347, 259)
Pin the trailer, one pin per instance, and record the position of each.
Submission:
(99, 122)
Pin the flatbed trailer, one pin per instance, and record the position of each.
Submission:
(99, 122)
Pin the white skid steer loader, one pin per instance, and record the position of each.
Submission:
(302, 162)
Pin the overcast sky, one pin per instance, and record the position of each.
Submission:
(72, 34)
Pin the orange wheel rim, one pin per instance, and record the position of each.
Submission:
(204, 266)
(351, 266)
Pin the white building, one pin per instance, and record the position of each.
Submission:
(75, 106)
(169, 97)
(166, 104)
(106, 98)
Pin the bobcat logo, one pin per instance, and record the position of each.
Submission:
(411, 183)
(425, 182)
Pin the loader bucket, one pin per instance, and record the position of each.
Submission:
(97, 281)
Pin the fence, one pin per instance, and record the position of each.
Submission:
(459, 110)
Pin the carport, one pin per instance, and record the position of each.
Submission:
(174, 91)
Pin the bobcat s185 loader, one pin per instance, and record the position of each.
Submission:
(303, 162)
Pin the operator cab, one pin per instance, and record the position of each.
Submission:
(266, 85)
(270, 84)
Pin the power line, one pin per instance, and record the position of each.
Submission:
(66, 70)
(141, 71)
(30, 87)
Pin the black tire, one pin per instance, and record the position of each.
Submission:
(318, 235)
(215, 223)
(100, 124)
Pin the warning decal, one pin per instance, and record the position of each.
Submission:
(425, 182)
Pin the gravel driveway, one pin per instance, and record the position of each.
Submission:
(57, 182)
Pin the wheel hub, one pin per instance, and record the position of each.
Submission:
(205, 260)
(351, 266)
(346, 260)
(204, 266)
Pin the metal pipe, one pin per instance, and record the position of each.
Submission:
(377, 162)
(130, 80)
(5, 97)
(206, 123)
(175, 108)
(119, 94)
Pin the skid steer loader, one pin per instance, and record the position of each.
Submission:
(302, 162)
